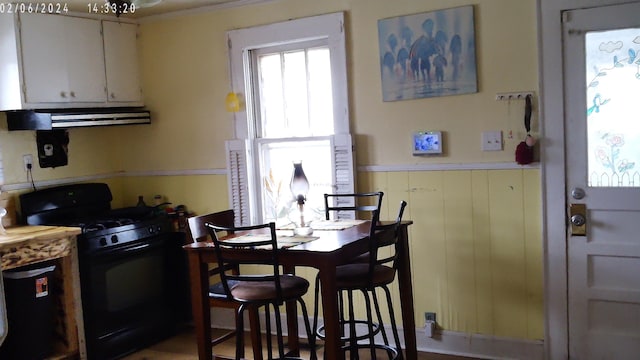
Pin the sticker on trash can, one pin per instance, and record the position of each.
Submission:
(42, 287)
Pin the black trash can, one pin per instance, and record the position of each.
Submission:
(30, 312)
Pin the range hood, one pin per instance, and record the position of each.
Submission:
(48, 119)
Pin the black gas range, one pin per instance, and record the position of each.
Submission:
(132, 271)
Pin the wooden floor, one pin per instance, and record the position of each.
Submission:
(183, 347)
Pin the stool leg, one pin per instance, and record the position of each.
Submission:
(267, 322)
(239, 334)
(256, 339)
(316, 304)
(394, 327)
(341, 312)
(311, 337)
(353, 343)
(372, 340)
(376, 305)
(279, 330)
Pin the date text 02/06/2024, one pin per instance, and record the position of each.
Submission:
(35, 7)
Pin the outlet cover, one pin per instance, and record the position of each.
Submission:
(27, 159)
(429, 316)
(491, 141)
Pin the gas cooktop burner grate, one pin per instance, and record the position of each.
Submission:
(103, 224)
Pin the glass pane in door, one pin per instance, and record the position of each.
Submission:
(613, 116)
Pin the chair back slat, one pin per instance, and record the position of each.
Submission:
(199, 232)
(260, 251)
(358, 202)
(384, 237)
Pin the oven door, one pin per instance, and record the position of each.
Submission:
(129, 296)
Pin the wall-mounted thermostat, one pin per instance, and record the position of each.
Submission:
(427, 142)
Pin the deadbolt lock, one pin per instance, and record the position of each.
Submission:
(578, 219)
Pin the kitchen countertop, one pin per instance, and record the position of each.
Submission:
(24, 245)
(19, 234)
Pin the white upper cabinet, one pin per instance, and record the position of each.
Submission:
(65, 68)
(54, 61)
(121, 60)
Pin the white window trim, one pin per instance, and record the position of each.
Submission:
(329, 27)
(241, 41)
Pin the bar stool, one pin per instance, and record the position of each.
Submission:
(378, 272)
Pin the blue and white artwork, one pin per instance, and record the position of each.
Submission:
(428, 54)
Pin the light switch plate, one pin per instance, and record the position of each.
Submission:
(491, 141)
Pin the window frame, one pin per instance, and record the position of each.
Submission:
(327, 28)
(242, 41)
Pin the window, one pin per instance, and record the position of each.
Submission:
(293, 75)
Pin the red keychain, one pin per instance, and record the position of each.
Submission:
(524, 150)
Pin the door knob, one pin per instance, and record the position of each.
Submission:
(578, 220)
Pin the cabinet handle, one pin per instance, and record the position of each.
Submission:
(63, 94)
(73, 94)
(113, 96)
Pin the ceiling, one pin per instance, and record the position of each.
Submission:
(166, 6)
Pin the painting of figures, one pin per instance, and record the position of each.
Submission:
(427, 55)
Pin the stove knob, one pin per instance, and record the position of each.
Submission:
(114, 239)
(103, 241)
(159, 228)
(151, 229)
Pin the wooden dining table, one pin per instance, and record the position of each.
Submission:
(328, 249)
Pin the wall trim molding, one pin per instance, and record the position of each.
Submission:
(441, 167)
(176, 172)
(77, 179)
(57, 182)
(197, 172)
(480, 346)
(477, 346)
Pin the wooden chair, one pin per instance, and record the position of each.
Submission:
(268, 290)
(378, 271)
(217, 297)
(337, 204)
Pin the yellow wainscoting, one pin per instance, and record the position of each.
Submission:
(476, 243)
(476, 246)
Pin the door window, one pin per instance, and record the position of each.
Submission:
(613, 85)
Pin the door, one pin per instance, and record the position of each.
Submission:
(602, 136)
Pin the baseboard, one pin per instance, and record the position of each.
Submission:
(443, 342)
(480, 346)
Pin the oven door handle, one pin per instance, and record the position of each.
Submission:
(139, 247)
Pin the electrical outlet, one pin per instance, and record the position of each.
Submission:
(429, 323)
(430, 316)
(27, 159)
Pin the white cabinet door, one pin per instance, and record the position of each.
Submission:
(43, 61)
(121, 60)
(62, 59)
(85, 60)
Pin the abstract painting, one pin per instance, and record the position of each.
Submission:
(428, 54)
